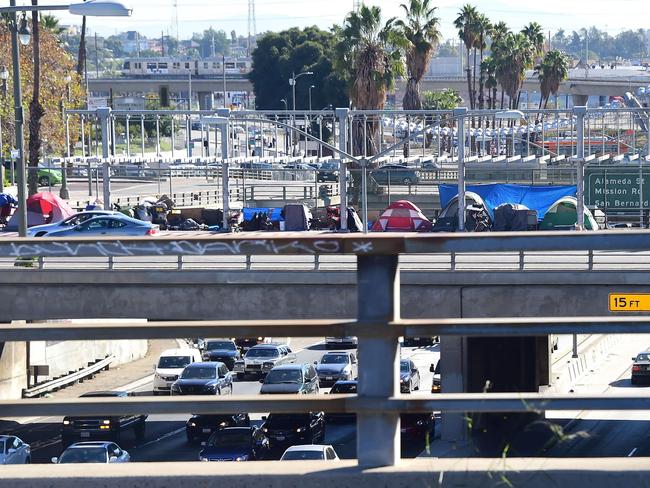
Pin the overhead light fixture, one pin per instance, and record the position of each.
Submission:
(24, 34)
(101, 8)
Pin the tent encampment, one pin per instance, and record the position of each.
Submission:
(296, 217)
(563, 214)
(42, 208)
(447, 221)
(402, 216)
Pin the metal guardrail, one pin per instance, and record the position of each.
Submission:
(68, 379)
(378, 403)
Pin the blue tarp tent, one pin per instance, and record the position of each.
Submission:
(538, 198)
(273, 213)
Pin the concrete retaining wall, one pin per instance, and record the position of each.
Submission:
(13, 377)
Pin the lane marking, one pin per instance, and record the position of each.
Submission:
(632, 452)
(161, 438)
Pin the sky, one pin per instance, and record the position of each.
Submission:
(150, 17)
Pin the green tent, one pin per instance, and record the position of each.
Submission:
(563, 213)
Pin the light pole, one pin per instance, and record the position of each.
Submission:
(91, 8)
(63, 192)
(310, 89)
(292, 82)
(286, 110)
(4, 76)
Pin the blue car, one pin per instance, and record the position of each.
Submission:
(235, 444)
(204, 379)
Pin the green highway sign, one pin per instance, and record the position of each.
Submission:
(617, 188)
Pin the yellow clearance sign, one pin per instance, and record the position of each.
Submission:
(629, 302)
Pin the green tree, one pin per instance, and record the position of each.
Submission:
(552, 71)
(484, 29)
(421, 31)
(279, 54)
(535, 35)
(36, 108)
(211, 38)
(488, 68)
(466, 24)
(446, 99)
(51, 24)
(513, 56)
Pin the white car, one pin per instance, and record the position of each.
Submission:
(310, 452)
(170, 365)
(14, 451)
(67, 223)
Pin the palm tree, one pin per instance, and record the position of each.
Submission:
(535, 35)
(51, 24)
(36, 109)
(499, 30)
(514, 54)
(484, 31)
(488, 67)
(422, 35)
(552, 71)
(369, 56)
(466, 25)
(81, 55)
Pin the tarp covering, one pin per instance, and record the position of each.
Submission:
(273, 213)
(402, 216)
(538, 198)
(42, 208)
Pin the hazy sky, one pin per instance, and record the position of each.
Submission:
(152, 16)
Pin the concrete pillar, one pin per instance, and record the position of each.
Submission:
(459, 114)
(378, 295)
(580, 100)
(104, 115)
(13, 375)
(580, 113)
(452, 348)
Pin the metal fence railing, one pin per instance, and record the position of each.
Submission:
(378, 325)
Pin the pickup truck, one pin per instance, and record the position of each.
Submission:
(102, 427)
(263, 358)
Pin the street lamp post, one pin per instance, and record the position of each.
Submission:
(20, 33)
(4, 76)
(292, 82)
(286, 111)
(310, 89)
(64, 193)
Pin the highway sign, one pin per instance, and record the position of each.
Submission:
(617, 188)
(629, 302)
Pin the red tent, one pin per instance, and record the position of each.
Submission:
(402, 216)
(43, 208)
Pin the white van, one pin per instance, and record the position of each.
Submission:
(171, 365)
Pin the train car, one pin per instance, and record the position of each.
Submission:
(208, 67)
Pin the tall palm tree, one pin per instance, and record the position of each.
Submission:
(514, 55)
(51, 24)
(421, 31)
(465, 23)
(488, 67)
(552, 71)
(81, 55)
(535, 35)
(369, 56)
(499, 31)
(36, 109)
(484, 27)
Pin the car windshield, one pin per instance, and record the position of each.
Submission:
(230, 438)
(174, 362)
(287, 421)
(262, 353)
(404, 366)
(344, 388)
(334, 359)
(643, 357)
(199, 373)
(2, 446)
(84, 455)
(284, 376)
(212, 345)
(302, 455)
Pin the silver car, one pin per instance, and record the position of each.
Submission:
(67, 223)
(98, 452)
(14, 451)
(109, 225)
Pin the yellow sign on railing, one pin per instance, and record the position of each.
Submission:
(629, 302)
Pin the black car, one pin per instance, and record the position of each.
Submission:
(105, 427)
(235, 444)
(409, 376)
(283, 430)
(200, 427)
(419, 341)
(245, 343)
(340, 388)
(335, 366)
(641, 368)
(291, 378)
(415, 426)
(223, 350)
(203, 379)
(328, 171)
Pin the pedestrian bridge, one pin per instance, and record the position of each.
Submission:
(459, 311)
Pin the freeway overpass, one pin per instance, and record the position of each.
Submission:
(579, 85)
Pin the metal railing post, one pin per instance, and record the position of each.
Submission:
(342, 115)
(104, 116)
(580, 112)
(378, 303)
(459, 114)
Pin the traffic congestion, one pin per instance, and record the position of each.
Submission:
(232, 366)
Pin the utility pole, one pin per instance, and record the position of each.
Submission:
(96, 57)
(162, 43)
(223, 65)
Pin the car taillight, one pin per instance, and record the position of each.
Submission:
(152, 231)
(636, 368)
